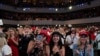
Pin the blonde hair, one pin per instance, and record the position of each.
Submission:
(15, 32)
(2, 42)
(87, 41)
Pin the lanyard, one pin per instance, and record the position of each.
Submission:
(72, 39)
(83, 53)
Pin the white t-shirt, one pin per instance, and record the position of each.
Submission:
(6, 50)
(69, 39)
(98, 39)
(62, 39)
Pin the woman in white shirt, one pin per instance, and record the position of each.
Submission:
(5, 50)
(71, 40)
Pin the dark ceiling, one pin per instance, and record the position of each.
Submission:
(44, 3)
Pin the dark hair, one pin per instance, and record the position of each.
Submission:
(5, 29)
(51, 44)
(83, 36)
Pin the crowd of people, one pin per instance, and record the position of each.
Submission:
(45, 3)
(46, 41)
(85, 13)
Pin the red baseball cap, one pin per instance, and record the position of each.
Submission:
(83, 33)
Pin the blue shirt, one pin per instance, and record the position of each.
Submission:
(82, 52)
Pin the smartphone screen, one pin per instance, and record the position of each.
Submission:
(39, 37)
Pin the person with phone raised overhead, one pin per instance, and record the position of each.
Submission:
(36, 46)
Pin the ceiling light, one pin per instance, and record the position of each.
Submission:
(56, 9)
(70, 7)
(24, 9)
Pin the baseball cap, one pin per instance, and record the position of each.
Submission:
(83, 33)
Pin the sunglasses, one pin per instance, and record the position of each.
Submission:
(83, 36)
